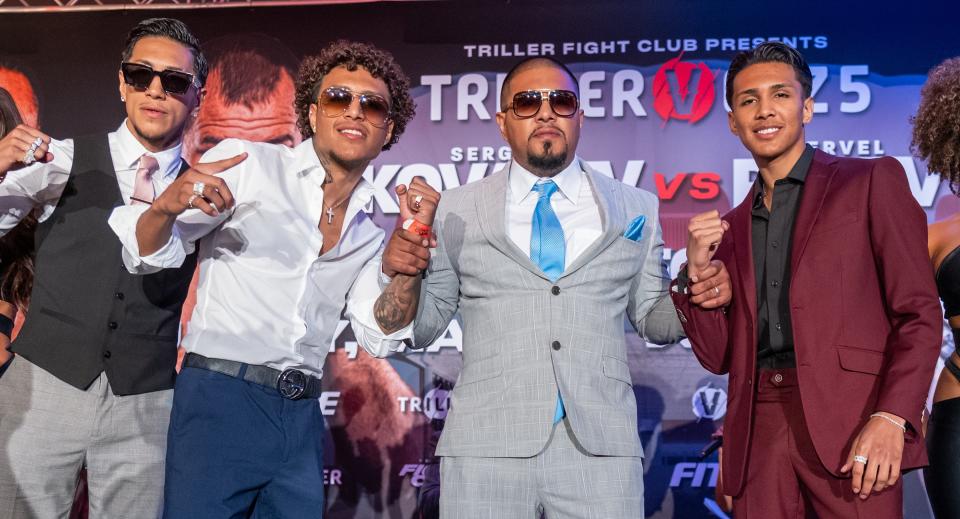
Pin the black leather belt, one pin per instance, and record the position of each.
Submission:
(292, 384)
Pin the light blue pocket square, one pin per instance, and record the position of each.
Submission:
(635, 230)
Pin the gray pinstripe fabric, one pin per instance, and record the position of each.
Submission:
(564, 481)
(50, 429)
(503, 403)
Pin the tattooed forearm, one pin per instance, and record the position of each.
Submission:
(397, 305)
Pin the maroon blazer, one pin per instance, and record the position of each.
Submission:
(867, 324)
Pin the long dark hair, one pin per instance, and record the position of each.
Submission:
(17, 246)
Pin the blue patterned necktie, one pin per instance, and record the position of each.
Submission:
(547, 247)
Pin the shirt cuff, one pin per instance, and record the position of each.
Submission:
(123, 221)
(360, 303)
(368, 332)
(384, 279)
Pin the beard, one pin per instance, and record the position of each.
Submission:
(549, 160)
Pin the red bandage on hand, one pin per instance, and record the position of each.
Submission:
(416, 227)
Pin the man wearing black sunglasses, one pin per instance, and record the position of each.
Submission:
(92, 381)
(284, 237)
(543, 260)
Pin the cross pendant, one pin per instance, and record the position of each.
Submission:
(330, 215)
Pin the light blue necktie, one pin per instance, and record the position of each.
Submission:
(547, 247)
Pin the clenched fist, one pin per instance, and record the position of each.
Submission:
(23, 146)
(705, 233)
(408, 252)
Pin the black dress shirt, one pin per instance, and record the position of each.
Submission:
(772, 232)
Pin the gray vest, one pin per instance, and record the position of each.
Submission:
(87, 313)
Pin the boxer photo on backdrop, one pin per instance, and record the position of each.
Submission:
(250, 93)
(834, 326)
(91, 383)
(282, 236)
(543, 260)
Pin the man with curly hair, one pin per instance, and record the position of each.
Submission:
(834, 329)
(284, 238)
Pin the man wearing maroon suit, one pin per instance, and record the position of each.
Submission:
(834, 327)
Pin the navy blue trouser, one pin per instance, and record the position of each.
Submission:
(238, 449)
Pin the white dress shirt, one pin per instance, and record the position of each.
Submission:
(574, 204)
(265, 296)
(41, 185)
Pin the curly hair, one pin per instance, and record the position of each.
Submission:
(936, 125)
(351, 55)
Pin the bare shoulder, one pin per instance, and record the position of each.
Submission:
(943, 237)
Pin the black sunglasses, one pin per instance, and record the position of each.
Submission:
(140, 76)
(526, 104)
(335, 101)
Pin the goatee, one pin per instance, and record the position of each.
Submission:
(548, 162)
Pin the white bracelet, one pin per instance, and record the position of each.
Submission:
(891, 420)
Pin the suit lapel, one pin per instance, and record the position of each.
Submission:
(612, 215)
(741, 224)
(815, 190)
(492, 210)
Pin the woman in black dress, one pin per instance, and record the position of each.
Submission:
(936, 139)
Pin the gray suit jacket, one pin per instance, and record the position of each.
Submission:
(525, 336)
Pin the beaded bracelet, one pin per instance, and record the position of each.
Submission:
(891, 420)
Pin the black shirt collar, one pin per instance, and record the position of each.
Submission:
(798, 175)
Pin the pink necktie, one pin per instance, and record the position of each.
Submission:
(143, 183)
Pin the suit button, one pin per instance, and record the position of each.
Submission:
(749, 381)
(556, 345)
(112, 325)
(106, 354)
(555, 290)
(778, 378)
(119, 295)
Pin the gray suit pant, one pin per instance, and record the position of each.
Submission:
(562, 482)
(49, 430)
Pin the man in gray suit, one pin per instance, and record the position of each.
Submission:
(542, 260)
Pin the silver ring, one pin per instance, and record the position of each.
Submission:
(198, 188)
(191, 199)
(37, 143)
(717, 290)
(860, 459)
(416, 201)
(28, 157)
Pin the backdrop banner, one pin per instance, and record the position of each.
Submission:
(652, 88)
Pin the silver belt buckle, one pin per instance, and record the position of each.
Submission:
(292, 383)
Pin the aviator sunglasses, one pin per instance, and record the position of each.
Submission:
(335, 101)
(140, 76)
(526, 104)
